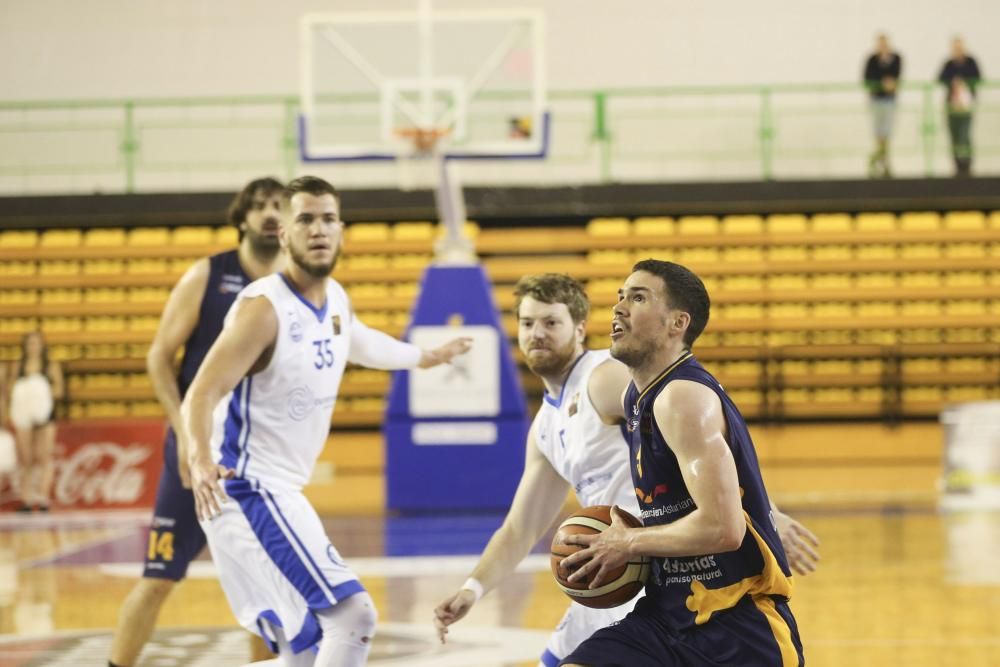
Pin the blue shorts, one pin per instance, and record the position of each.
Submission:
(175, 538)
(751, 634)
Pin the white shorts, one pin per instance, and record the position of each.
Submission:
(31, 402)
(276, 563)
(578, 624)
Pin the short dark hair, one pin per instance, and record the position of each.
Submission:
(313, 185)
(685, 291)
(554, 288)
(237, 211)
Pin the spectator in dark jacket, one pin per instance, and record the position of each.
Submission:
(960, 76)
(882, 71)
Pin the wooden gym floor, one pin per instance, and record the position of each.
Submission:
(900, 583)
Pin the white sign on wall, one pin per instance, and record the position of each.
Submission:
(467, 387)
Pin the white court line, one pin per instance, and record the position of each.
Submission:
(397, 566)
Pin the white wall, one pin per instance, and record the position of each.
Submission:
(113, 48)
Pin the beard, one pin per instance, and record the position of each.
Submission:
(314, 269)
(262, 244)
(554, 362)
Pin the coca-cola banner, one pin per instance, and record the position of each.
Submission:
(103, 464)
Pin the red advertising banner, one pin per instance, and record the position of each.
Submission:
(103, 464)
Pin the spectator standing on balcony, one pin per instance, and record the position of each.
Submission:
(192, 320)
(35, 384)
(960, 76)
(882, 72)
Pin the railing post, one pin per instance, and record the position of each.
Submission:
(601, 135)
(928, 129)
(290, 139)
(130, 146)
(766, 135)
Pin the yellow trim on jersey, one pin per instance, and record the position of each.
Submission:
(779, 627)
(681, 359)
(771, 581)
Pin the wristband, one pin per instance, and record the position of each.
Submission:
(472, 584)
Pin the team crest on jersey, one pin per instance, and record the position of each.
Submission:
(574, 405)
(295, 331)
(336, 325)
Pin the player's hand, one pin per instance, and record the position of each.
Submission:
(602, 552)
(453, 609)
(799, 543)
(208, 494)
(446, 352)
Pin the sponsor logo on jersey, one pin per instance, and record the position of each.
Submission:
(300, 403)
(574, 405)
(295, 331)
(648, 497)
(230, 283)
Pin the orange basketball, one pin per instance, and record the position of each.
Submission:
(624, 583)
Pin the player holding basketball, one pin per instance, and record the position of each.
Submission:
(258, 414)
(719, 585)
(192, 319)
(576, 439)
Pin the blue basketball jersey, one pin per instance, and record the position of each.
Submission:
(226, 278)
(688, 590)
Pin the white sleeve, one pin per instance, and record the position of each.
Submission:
(373, 349)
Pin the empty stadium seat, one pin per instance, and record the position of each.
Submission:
(148, 237)
(413, 231)
(104, 238)
(875, 222)
(367, 231)
(964, 220)
(609, 227)
(60, 238)
(18, 238)
(742, 224)
(825, 223)
(698, 225)
(653, 226)
(786, 224)
(192, 236)
(920, 222)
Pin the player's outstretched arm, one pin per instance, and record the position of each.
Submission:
(690, 417)
(445, 353)
(799, 542)
(606, 388)
(374, 349)
(248, 338)
(537, 502)
(179, 318)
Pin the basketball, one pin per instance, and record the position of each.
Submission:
(623, 583)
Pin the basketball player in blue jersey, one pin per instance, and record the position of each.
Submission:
(575, 441)
(258, 415)
(192, 319)
(719, 586)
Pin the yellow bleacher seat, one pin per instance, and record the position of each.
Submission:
(965, 279)
(61, 296)
(920, 307)
(104, 295)
(788, 311)
(875, 222)
(796, 396)
(137, 350)
(13, 269)
(876, 337)
(17, 325)
(869, 366)
(920, 279)
(920, 336)
(832, 252)
(875, 280)
(103, 267)
(877, 251)
(966, 307)
(825, 223)
(60, 352)
(995, 220)
(698, 225)
(148, 295)
(742, 283)
(787, 281)
(741, 311)
(832, 310)
(961, 220)
(146, 266)
(610, 257)
(922, 221)
(149, 237)
(741, 254)
(138, 380)
(200, 236)
(18, 297)
(966, 365)
(369, 291)
(104, 351)
(787, 253)
(833, 395)
(143, 323)
(697, 255)
(832, 337)
(613, 227)
(742, 224)
(966, 335)
(965, 394)
(104, 323)
(104, 381)
(876, 309)
(181, 264)
(870, 395)
(62, 325)
(408, 290)
(413, 231)
(59, 267)
(105, 409)
(144, 409)
(367, 231)
(360, 262)
(786, 224)
(60, 238)
(965, 250)
(832, 367)
(653, 226)
(104, 237)
(920, 251)
(227, 236)
(18, 238)
(830, 281)
(745, 397)
(409, 261)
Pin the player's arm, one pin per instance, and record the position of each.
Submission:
(799, 542)
(689, 415)
(56, 380)
(374, 349)
(179, 318)
(249, 336)
(537, 502)
(607, 383)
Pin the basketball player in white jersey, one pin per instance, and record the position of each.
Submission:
(575, 441)
(258, 414)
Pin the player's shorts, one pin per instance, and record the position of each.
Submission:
(275, 562)
(175, 538)
(578, 624)
(757, 632)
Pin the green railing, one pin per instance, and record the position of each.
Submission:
(628, 134)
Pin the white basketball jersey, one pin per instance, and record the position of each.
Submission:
(588, 453)
(273, 425)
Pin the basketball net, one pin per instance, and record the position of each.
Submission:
(422, 165)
